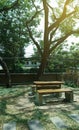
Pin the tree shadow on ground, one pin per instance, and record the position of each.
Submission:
(3, 106)
(4, 100)
(74, 128)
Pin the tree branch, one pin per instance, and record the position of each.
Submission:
(31, 19)
(65, 8)
(34, 41)
(6, 8)
(35, 14)
(52, 11)
(34, 5)
(59, 41)
(59, 21)
(52, 33)
(62, 17)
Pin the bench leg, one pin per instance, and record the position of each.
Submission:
(69, 96)
(39, 99)
(33, 89)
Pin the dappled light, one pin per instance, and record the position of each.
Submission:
(17, 106)
(39, 64)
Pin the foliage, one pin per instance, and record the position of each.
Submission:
(70, 84)
(64, 59)
(14, 35)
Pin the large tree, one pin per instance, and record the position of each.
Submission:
(59, 23)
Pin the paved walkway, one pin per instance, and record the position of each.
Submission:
(37, 125)
(24, 104)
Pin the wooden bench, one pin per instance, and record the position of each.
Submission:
(41, 92)
(38, 85)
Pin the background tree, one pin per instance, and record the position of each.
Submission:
(14, 35)
(64, 58)
(6, 5)
(2, 63)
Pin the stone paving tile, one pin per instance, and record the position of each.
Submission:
(35, 125)
(75, 117)
(9, 126)
(59, 123)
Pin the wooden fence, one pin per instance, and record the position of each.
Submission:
(24, 78)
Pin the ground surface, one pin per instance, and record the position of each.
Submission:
(17, 105)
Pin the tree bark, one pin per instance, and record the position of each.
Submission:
(43, 64)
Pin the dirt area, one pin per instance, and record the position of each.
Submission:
(16, 105)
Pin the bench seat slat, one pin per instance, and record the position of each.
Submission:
(48, 82)
(45, 91)
(68, 94)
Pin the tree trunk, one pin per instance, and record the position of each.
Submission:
(42, 65)
(7, 74)
(45, 54)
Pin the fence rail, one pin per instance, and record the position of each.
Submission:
(24, 78)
